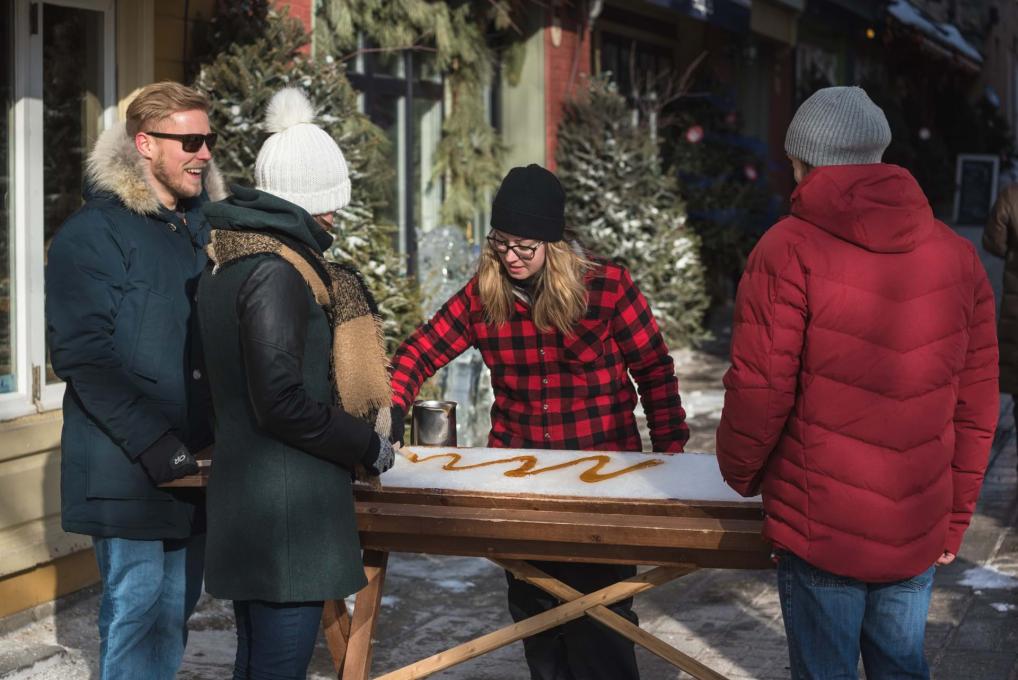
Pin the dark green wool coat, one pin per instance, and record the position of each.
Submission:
(281, 523)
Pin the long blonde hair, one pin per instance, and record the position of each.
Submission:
(559, 294)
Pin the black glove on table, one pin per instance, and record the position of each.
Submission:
(168, 459)
(380, 456)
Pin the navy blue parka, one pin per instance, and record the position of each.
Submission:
(121, 280)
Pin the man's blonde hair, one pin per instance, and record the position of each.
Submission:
(159, 101)
(559, 292)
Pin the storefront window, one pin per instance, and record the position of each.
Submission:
(409, 110)
(7, 375)
(58, 85)
(72, 96)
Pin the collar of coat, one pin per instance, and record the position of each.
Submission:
(116, 167)
(360, 365)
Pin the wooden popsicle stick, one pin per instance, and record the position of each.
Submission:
(621, 625)
(535, 624)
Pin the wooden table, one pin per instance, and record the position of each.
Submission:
(674, 537)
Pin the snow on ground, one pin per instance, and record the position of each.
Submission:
(988, 578)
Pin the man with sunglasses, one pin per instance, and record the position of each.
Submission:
(121, 278)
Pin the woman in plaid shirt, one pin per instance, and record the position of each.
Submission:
(562, 334)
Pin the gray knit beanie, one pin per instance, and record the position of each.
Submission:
(838, 126)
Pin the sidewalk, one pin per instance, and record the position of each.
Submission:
(728, 619)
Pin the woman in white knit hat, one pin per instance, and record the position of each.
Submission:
(301, 396)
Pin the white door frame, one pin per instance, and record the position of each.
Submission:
(27, 236)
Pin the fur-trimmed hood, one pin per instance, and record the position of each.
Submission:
(114, 166)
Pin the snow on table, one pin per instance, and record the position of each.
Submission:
(597, 474)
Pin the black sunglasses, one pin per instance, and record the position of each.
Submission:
(191, 143)
(523, 252)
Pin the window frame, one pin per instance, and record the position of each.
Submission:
(26, 235)
(370, 82)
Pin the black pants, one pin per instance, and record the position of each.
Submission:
(582, 649)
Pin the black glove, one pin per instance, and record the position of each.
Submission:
(380, 456)
(398, 425)
(168, 459)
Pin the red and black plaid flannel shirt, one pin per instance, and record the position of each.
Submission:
(554, 391)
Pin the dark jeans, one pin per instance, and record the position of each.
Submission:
(275, 641)
(830, 619)
(581, 649)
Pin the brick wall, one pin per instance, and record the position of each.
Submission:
(299, 9)
(566, 66)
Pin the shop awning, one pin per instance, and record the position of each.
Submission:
(732, 15)
(943, 38)
(777, 19)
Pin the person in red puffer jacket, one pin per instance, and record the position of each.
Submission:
(862, 397)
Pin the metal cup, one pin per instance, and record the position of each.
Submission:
(433, 423)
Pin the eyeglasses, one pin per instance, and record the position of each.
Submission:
(502, 246)
(191, 143)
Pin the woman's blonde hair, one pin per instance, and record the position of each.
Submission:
(559, 293)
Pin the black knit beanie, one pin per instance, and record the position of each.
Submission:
(530, 203)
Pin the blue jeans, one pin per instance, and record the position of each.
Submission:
(150, 589)
(830, 619)
(275, 640)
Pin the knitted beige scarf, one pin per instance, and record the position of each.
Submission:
(360, 367)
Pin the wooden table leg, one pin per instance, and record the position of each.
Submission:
(535, 624)
(336, 626)
(621, 625)
(365, 615)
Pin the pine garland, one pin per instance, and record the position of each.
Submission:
(241, 81)
(623, 206)
(470, 154)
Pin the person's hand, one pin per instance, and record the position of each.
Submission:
(398, 418)
(168, 459)
(383, 459)
(945, 559)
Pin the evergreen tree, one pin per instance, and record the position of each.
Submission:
(469, 157)
(723, 178)
(241, 81)
(624, 207)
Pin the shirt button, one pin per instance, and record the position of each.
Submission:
(544, 381)
(196, 374)
(545, 407)
(547, 435)
(541, 352)
(172, 226)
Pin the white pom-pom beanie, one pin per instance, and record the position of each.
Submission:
(300, 162)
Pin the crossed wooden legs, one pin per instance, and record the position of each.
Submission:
(621, 625)
(350, 641)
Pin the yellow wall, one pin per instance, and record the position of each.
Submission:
(523, 103)
(30, 534)
(169, 28)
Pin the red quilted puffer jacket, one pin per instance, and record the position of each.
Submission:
(862, 397)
